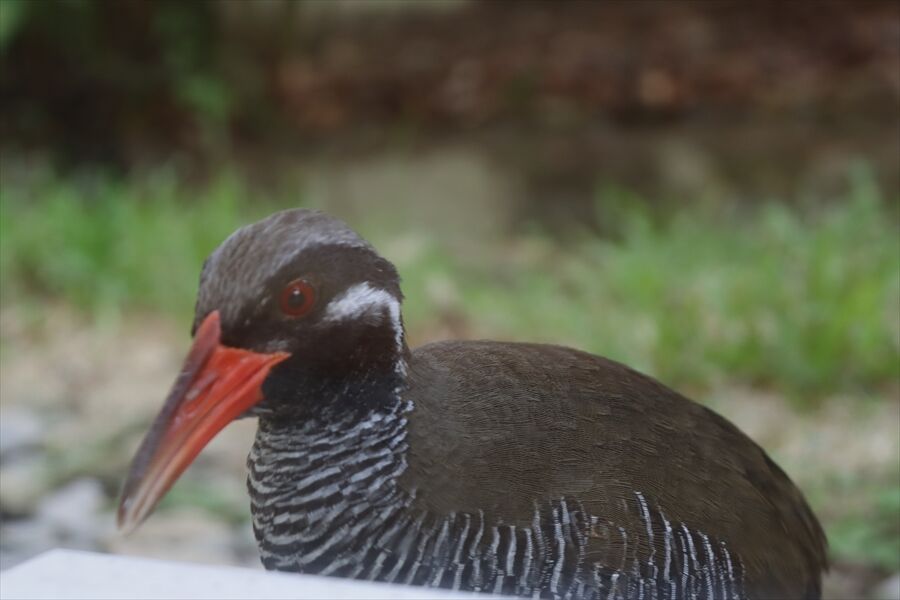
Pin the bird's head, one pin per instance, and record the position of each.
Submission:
(296, 315)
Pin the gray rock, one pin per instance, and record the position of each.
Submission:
(73, 511)
(22, 483)
(889, 589)
(20, 429)
(23, 539)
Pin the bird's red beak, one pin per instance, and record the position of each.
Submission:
(216, 385)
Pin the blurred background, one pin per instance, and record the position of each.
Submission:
(707, 191)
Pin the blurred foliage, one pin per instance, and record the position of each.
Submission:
(862, 515)
(105, 244)
(804, 300)
(128, 82)
(97, 79)
(11, 13)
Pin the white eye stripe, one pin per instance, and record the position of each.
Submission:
(363, 299)
(359, 300)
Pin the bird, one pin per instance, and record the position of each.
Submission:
(520, 469)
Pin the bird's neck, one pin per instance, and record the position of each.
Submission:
(321, 485)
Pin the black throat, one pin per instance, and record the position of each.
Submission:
(361, 370)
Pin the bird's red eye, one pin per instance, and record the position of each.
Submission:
(298, 298)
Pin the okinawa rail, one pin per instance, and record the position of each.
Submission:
(512, 468)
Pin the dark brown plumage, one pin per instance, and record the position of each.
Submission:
(520, 422)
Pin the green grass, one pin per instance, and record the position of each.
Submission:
(804, 300)
(106, 245)
(807, 302)
(861, 514)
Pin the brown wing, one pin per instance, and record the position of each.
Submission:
(503, 426)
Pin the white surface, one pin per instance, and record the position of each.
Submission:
(70, 574)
